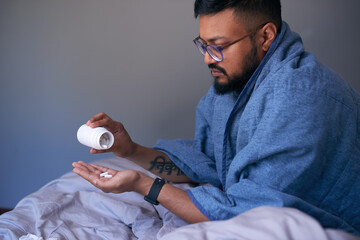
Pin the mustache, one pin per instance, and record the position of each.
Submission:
(214, 66)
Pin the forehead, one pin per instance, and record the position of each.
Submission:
(223, 24)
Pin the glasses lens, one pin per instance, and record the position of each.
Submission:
(200, 46)
(214, 53)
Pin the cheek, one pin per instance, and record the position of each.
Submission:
(233, 65)
(234, 60)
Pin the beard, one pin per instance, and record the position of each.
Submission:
(238, 82)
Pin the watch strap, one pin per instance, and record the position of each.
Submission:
(154, 191)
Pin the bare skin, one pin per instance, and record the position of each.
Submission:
(216, 29)
(172, 198)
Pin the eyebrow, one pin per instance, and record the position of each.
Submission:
(213, 39)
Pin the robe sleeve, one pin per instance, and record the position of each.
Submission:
(195, 157)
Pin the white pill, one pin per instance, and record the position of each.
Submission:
(108, 176)
(104, 174)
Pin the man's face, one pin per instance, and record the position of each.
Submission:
(240, 59)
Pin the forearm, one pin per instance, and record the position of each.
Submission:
(124, 147)
(174, 199)
(178, 202)
(157, 163)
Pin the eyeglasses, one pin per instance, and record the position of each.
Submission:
(216, 52)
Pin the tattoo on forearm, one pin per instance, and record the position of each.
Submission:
(160, 164)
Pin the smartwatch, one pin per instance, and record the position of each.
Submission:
(154, 191)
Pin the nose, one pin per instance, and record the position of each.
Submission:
(208, 59)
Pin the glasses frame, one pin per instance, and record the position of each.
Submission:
(203, 48)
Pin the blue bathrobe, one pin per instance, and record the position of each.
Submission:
(291, 138)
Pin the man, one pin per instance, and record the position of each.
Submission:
(277, 128)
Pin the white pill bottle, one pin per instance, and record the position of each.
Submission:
(99, 138)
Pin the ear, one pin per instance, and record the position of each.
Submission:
(268, 35)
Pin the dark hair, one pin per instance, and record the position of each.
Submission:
(250, 11)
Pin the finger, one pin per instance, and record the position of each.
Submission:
(97, 169)
(87, 168)
(91, 167)
(79, 164)
(97, 117)
(92, 174)
(100, 168)
(99, 120)
(100, 123)
(95, 151)
(105, 169)
(82, 169)
(85, 173)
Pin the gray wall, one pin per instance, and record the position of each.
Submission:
(61, 62)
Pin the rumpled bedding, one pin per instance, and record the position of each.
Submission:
(71, 208)
(261, 223)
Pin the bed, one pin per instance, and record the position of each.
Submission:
(71, 208)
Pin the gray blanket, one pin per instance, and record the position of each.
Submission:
(71, 208)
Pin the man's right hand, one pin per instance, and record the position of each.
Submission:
(123, 145)
(148, 158)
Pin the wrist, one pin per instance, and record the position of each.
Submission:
(154, 192)
(143, 184)
(130, 151)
